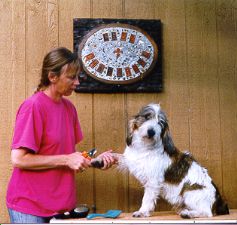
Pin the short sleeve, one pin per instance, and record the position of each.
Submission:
(28, 127)
(77, 128)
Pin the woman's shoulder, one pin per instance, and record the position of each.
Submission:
(30, 103)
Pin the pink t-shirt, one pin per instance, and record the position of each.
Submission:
(47, 128)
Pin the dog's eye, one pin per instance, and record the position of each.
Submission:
(161, 123)
(147, 116)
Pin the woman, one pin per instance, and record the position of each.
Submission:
(43, 147)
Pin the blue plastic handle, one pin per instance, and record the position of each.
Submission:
(93, 215)
(109, 214)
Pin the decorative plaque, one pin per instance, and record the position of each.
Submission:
(118, 57)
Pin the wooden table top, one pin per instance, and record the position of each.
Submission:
(156, 218)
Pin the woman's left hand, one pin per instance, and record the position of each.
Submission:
(108, 159)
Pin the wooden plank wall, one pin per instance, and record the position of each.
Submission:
(200, 87)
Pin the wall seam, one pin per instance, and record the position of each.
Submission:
(187, 70)
(93, 129)
(218, 75)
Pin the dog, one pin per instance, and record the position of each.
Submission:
(166, 172)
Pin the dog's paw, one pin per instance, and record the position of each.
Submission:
(185, 214)
(189, 214)
(141, 214)
(97, 163)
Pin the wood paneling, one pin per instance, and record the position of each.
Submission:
(175, 68)
(227, 73)
(200, 90)
(204, 114)
(35, 42)
(6, 97)
(12, 84)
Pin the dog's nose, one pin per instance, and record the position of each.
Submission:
(151, 133)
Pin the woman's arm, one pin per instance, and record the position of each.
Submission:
(24, 159)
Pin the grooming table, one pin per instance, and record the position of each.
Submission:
(157, 218)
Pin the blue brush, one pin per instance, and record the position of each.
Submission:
(108, 214)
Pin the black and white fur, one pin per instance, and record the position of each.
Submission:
(163, 170)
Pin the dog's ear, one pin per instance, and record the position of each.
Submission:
(168, 143)
(131, 127)
(129, 140)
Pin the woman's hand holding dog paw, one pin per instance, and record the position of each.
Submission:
(76, 161)
(108, 159)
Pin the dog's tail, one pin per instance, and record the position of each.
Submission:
(220, 207)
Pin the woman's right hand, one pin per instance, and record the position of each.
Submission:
(76, 161)
(25, 159)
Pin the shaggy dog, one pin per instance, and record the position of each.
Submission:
(163, 170)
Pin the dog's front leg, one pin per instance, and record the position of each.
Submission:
(148, 202)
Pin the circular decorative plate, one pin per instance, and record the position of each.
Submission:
(118, 53)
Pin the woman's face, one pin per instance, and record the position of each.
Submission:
(67, 81)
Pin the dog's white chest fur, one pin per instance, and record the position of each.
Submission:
(146, 166)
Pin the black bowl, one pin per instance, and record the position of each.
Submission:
(65, 215)
(81, 211)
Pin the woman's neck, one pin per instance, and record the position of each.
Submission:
(50, 92)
